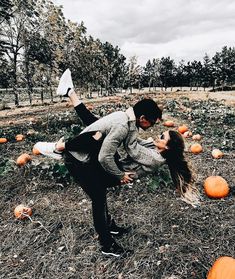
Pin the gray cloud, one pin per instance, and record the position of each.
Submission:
(181, 28)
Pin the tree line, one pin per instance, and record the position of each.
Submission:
(37, 44)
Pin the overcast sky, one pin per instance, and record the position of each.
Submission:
(181, 29)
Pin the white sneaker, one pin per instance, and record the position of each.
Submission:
(48, 149)
(65, 83)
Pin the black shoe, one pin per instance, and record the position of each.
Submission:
(118, 231)
(112, 250)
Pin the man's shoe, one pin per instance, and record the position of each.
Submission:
(112, 250)
(118, 231)
(65, 84)
(48, 149)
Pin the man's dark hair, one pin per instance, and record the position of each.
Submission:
(149, 109)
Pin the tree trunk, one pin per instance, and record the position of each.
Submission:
(42, 97)
(27, 74)
(15, 89)
(150, 82)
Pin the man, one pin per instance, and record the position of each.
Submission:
(97, 168)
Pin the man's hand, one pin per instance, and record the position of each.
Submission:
(127, 178)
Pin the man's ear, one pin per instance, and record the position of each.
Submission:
(142, 117)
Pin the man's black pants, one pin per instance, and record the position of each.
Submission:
(93, 180)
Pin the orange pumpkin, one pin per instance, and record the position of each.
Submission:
(22, 211)
(36, 151)
(196, 148)
(182, 129)
(216, 154)
(19, 137)
(197, 137)
(223, 268)
(169, 123)
(216, 187)
(23, 159)
(3, 140)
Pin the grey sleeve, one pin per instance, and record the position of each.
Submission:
(143, 155)
(109, 147)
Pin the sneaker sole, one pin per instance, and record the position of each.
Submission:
(113, 232)
(65, 83)
(110, 254)
(47, 149)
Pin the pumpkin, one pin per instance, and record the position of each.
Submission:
(223, 268)
(169, 123)
(36, 151)
(3, 140)
(197, 137)
(182, 129)
(22, 211)
(19, 137)
(216, 154)
(187, 134)
(216, 187)
(196, 148)
(23, 159)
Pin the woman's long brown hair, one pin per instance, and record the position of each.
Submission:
(180, 171)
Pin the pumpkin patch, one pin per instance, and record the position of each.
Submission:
(170, 239)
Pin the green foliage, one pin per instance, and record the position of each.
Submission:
(161, 178)
(6, 167)
(60, 172)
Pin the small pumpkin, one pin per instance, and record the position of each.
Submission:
(187, 134)
(182, 129)
(217, 154)
(197, 137)
(3, 140)
(36, 151)
(223, 268)
(169, 123)
(216, 187)
(21, 211)
(23, 159)
(19, 137)
(196, 148)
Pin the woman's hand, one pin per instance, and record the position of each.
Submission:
(60, 145)
(127, 178)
